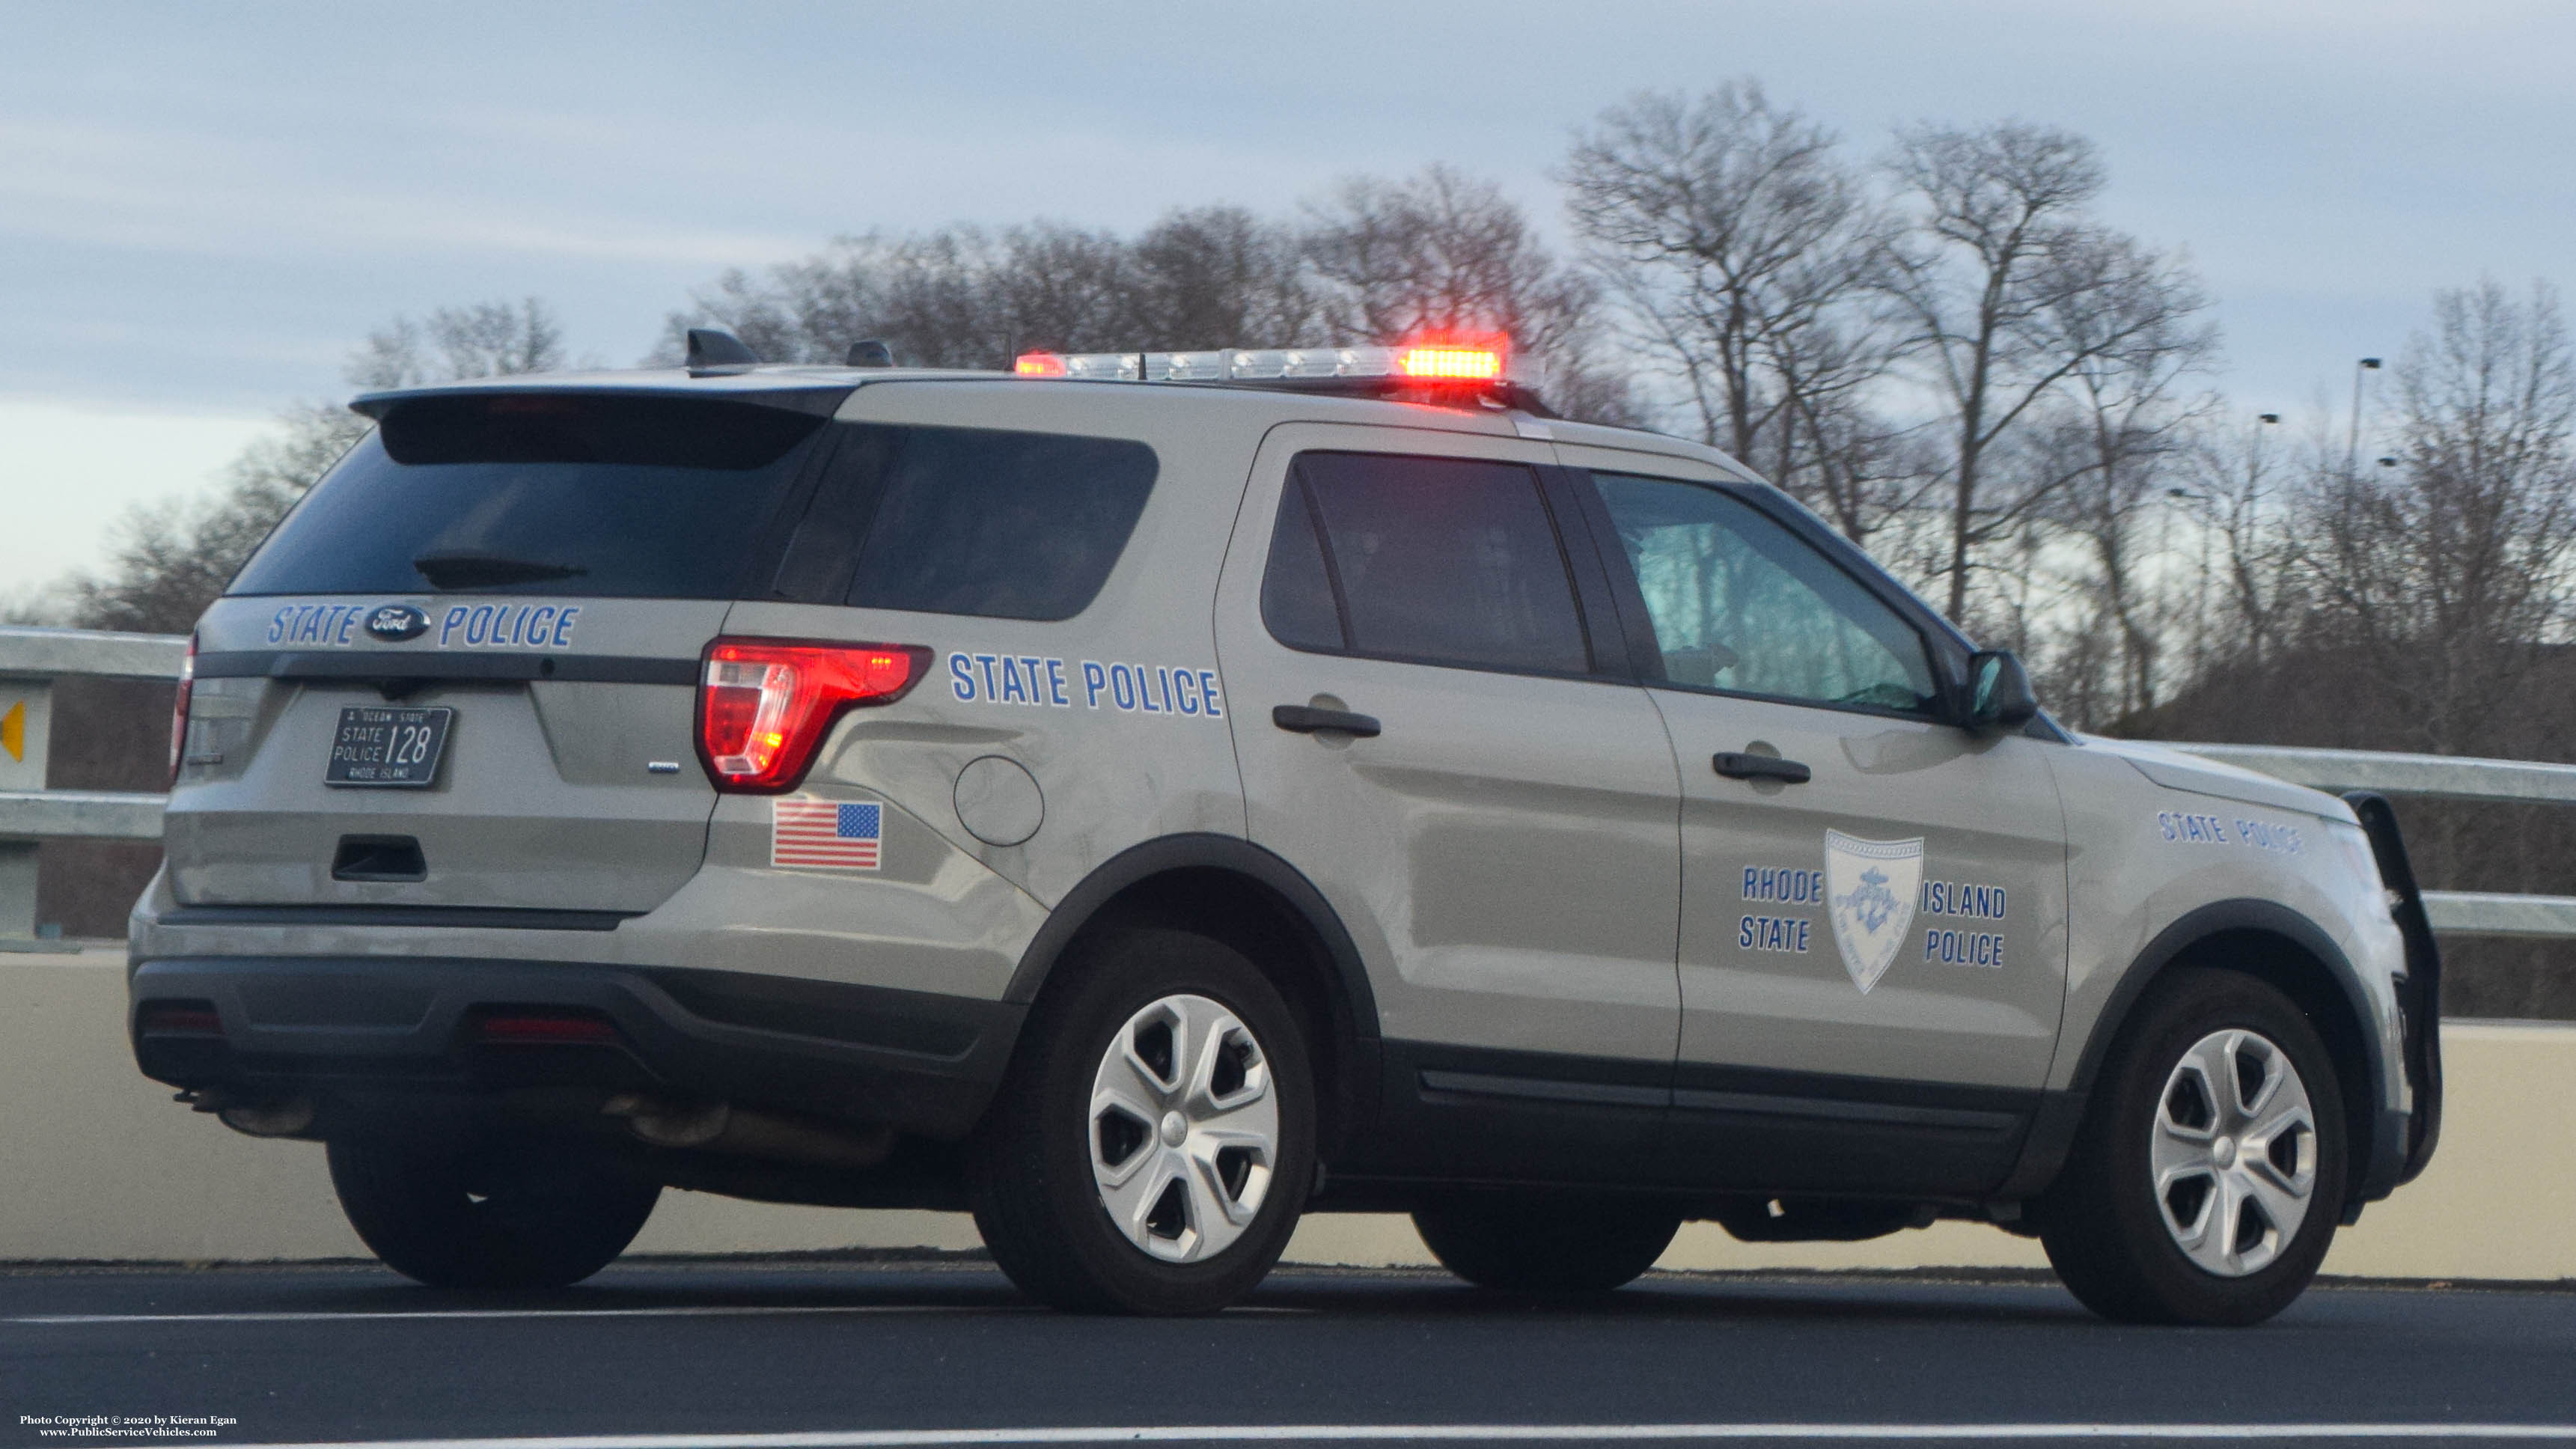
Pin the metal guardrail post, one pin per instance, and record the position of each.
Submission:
(26, 729)
(30, 661)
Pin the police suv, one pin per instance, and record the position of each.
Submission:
(1156, 795)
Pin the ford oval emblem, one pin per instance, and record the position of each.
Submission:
(394, 623)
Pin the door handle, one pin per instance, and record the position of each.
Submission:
(1306, 720)
(1760, 767)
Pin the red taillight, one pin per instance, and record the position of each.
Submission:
(1437, 362)
(533, 1029)
(179, 708)
(1038, 364)
(765, 704)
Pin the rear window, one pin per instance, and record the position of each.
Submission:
(631, 497)
(976, 521)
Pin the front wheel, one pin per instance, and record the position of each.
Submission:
(2209, 1175)
(1153, 1145)
(496, 1212)
(1545, 1243)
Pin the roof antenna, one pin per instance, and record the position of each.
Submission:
(713, 349)
(869, 352)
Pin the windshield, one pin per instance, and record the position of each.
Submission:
(634, 497)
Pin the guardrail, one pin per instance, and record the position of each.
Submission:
(2434, 777)
(31, 659)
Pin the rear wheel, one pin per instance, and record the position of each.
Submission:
(496, 1212)
(1545, 1243)
(2209, 1176)
(1153, 1145)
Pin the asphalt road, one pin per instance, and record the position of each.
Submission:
(837, 1353)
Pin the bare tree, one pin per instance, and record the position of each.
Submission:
(1738, 246)
(1442, 252)
(1439, 252)
(2001, 261)
(481, 339)
(2448, 572)
(171, 559)
(1218, 276)
(2239, 480)
(2134, 339)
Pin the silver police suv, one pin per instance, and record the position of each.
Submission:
(1154, 796)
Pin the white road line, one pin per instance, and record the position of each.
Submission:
(1403, 1433)
(728, 1310)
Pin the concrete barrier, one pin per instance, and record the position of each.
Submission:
(98, 1163)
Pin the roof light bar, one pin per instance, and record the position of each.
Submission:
(1419, 362)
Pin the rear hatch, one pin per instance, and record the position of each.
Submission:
(463, 672)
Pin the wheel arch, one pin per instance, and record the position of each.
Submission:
(2275, 945)
(1234, 891)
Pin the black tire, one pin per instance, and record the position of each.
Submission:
(1030, 1166)
(1545, 1243)
(494, 1212)
(2102, 1222)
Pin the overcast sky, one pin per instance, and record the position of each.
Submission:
(202, 208)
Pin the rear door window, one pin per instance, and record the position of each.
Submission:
(974, 521)
(558, 493)
(1436, 560)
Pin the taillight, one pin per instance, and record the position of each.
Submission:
(764, 705)
(179, 707)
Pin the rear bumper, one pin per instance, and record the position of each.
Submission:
(919, 1062)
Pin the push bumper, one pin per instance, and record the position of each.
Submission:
(271, 1027)
(2405, 1140)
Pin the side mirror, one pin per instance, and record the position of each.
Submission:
(1999, 696)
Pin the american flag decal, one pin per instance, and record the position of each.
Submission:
(820, 833)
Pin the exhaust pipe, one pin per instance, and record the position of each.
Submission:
(723, 1127)
(290, 1118)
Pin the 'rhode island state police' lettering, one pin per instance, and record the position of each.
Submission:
(1772, 933)
(1963, 898)
(1964, 948)
(1784, 885)
(1040, 682)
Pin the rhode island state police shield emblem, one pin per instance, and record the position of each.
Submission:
(1872, 886)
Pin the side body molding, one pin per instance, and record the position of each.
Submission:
(2061, 1114)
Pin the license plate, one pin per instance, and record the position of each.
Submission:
(385, 745)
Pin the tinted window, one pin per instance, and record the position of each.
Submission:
(1443, 560)
(552, 493)
(1000, 525)
(1741, 603)
(1296, 592)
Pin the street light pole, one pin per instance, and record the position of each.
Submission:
(2352, 445)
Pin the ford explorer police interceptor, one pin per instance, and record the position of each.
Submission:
(1156, 795)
